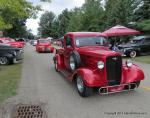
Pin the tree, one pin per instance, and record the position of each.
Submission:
(46, 24)
(63, 20)
(45, 0)
(11, 10)
(120, 12)
(92, 12)
(75, 20)
(142, 16)
(13, 16)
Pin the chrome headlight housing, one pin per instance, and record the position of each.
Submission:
(100, 64)
(129, 63)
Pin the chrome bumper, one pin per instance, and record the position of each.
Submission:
(129, 87)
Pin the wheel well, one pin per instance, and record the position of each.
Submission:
(74, 77)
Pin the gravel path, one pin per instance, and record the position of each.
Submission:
(41, 84)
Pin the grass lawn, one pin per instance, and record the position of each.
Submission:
(9, 80)
(145, 59)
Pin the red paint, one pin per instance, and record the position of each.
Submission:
(12, 42)
(90, 55)
(119, 30)
(44, 45)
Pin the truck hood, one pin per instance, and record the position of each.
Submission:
(97, 51)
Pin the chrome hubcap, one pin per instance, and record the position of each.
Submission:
(80, 84)
(133, 54)
(3, 60)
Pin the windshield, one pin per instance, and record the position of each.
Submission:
(91, 41)
(44, 41)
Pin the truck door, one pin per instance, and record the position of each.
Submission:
(68, 49)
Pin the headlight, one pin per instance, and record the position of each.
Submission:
(129, 63)
(100, 64)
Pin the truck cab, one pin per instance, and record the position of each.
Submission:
(87, 60)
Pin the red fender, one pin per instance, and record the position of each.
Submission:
(97, 78)
(91, 78)
(59, 60)
(132, 74)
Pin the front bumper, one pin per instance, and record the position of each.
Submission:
(117, 88)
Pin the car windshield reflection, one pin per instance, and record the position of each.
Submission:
(91, 41)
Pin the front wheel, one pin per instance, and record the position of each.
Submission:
(83, 90)
(133, 54)
(4, 61)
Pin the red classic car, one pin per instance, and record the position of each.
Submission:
(87, 60)
(11, 42)
(44, 45)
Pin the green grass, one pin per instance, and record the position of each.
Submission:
(9, 80)
(144, 59)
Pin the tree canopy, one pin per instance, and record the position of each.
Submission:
(13, 16)
(98, 15)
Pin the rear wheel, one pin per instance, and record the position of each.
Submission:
(4, 61)
(83, 90)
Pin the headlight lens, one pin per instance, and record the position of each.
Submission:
(129, 63)
(100, 64)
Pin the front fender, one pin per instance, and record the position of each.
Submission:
(91, 77)
(8, 55)
(132, 74)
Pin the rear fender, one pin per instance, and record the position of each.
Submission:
(59, 60)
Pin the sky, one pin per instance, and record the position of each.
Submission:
(56, 6)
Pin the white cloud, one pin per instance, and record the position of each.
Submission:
(56, 6)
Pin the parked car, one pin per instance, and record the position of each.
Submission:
(9, 54)
(11, 42)
(33, 42)
(87, 60)
(21, 40)
(44, 45)
(138, 45)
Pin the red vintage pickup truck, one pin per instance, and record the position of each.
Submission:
(86, 60)
(44, 45)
